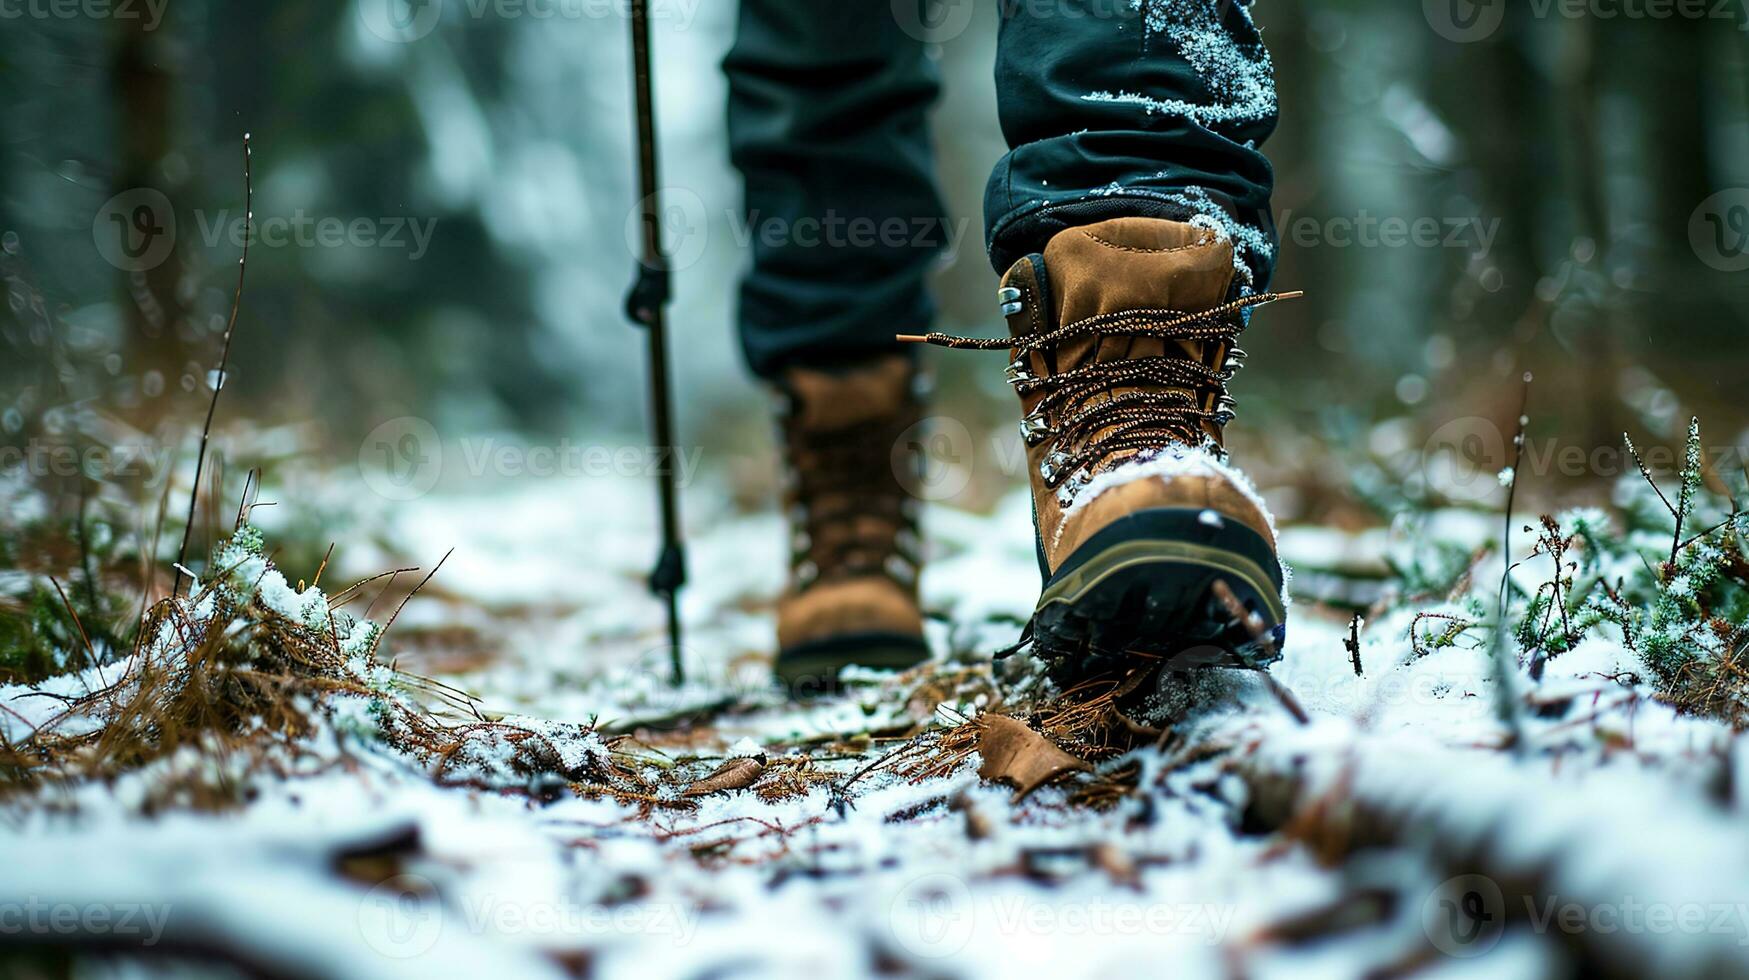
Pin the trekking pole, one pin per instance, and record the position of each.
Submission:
(646, 306)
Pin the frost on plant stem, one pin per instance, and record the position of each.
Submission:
(1690, 476)
(1680, 604)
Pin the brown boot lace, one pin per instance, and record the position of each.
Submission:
(849, 513)
(1161, 398)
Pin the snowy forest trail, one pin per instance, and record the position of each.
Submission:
(1389, 833)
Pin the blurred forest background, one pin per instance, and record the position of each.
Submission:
(1605, 160)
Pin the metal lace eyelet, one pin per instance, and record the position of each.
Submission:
(1233, 363)
(1052, 465)
(1019, 372)
(807, 573)
(1034, 429)
(1009, 298)
(900, 570)
(1072, 487)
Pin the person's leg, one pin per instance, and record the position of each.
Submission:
(1131, 224)
(1115, 108)
(827, 123)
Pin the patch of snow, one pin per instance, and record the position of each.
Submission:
(1170, 463)
(892, 882)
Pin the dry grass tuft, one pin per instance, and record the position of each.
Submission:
(226, 684)
(1088, 721)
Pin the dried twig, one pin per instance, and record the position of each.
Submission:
(246, 502)
(212, 407)
(1353, 643)
(90, 651)
(1647, 474)
(409, 598)
(1507, 705)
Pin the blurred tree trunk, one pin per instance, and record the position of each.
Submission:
(1678, 85)
(1680, 296)
(1299, 180)
(1523, 169)
(1596, 345)
(158, 340)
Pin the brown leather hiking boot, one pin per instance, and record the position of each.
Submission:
(1123, 340)
(852, 597)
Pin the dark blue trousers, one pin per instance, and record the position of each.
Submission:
(1152, 108)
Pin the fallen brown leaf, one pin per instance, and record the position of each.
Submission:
(738, 773)
(1019, 756)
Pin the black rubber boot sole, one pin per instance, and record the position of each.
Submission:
(810, 670)
(1145, 588)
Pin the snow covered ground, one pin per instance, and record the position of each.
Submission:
(1614, 837)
